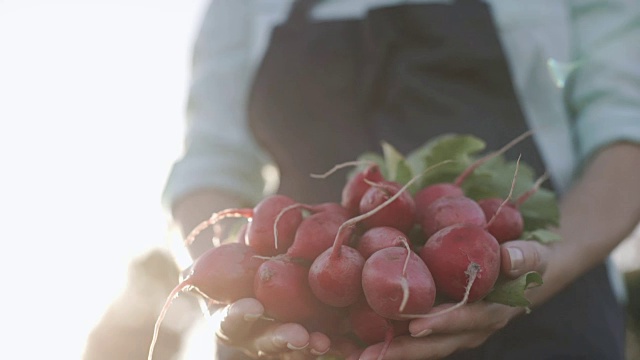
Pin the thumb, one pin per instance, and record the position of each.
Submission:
(522, 256)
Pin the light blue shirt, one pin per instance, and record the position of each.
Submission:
(575, 66)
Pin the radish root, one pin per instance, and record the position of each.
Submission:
(184, 285)
(472, 273)
(277, 220)
(388, 337)
(341, 166)
(404, 282)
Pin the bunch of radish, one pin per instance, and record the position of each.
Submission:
(409, 232)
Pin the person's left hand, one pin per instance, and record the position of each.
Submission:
(468, 326)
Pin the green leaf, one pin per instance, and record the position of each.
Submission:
(494, 179)
(540, 210)
(394, 161)
(397, 167)
(542, 235)
(391, 159)
(459, 148)
(404, 174)
(511, 292)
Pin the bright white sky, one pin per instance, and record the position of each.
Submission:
(92, 96)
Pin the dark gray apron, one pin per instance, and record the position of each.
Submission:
(328, 91)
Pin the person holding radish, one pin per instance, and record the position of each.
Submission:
(302, 85)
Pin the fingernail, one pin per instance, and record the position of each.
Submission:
(315, 352)
(292, 347)
(422, 333)
(251, 317)
(517, 258)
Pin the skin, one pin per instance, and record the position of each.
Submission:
(607, 186)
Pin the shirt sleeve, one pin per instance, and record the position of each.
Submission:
(219, 150)
(604, 92)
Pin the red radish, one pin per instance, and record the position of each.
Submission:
(260, 235)
(357, 185)
(335, 279)
(281, 286)
(355, 188)
(372, 328)
(260, 232)
(344, 264)
(328, 207)
(450, 210)
(315, 234)
(450, 254)
(429, 194)
(504, 219)
(378, 238)
(222, 274)
(396, 281)
(465, 257)
(508, 223)
(329, 320)
(399, 214)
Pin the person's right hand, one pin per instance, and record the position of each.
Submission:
(244, 327)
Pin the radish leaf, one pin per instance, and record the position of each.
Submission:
(511, 292)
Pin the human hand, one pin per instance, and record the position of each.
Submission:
(244, 327)
(468, 326)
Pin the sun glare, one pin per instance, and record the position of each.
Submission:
(91, 113)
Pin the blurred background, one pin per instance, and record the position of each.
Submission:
(92, 97)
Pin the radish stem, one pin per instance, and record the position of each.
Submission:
(215, 217)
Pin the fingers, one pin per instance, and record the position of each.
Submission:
(431, 347)
(520, 257)
(244, 326)
(279, 338)
(439, 336)
(476, 317)
(239, 320)
(319, 344)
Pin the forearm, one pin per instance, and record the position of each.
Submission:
(600, 210)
